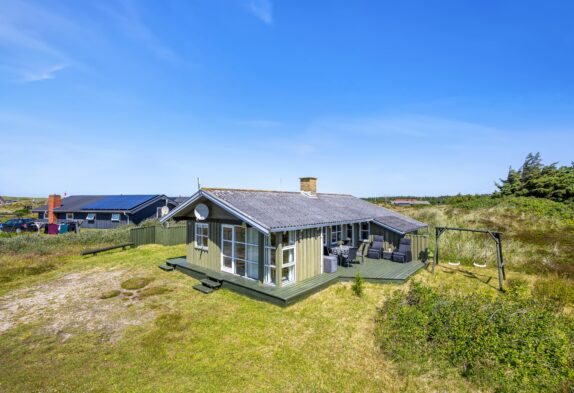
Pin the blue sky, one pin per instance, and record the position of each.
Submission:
(372, 97)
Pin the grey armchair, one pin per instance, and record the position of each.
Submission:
(403, 253)
(376, 249)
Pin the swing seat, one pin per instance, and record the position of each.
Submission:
(455, 263)
(480, 265)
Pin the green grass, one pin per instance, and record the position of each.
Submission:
(136, 283)
(220, 342)
(186, 341)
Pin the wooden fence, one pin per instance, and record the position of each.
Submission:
(419, 246)
(168, 236)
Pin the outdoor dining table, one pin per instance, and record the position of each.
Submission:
(341, 252)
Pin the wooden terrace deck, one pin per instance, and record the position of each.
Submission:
(372, 270)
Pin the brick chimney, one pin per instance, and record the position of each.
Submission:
(308, 185)
(54, 201)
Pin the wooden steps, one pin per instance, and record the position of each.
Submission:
(202, 288)
(166, 268)
(207, 285)
(213, 284)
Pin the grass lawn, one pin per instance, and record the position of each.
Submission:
(115, 322)
(77, 329)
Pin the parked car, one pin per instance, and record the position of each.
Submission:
(19, 225)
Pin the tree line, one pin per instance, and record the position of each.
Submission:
(535, 179)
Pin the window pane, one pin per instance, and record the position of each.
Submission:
(227, 248)
(287, 273)
(227, 262)
(253, 253)
(272, 255)
(240, 234)
(240, 250)
(227, 233)
(253, 270)
(240, 267)
(205, 230)
(252, 236)
(288, 256)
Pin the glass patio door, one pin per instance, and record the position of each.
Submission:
(240, 251)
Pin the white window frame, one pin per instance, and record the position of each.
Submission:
(204, 239)
(324, 233)
(361, 230)
(93, 215)
(352, 227)
(337, 232)
(234, 258)
(68, 216)
(270, 250)
(45, 216)
(117, 217)
(292, 266)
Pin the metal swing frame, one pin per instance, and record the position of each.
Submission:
(495, 235)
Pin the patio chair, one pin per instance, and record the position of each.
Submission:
(351, 258)
(403, 253)
(376, 248)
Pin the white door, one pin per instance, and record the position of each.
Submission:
(227, 249)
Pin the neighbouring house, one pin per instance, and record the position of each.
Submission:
(409, 202)
(2, 201)
(276, 238)
(104, 211)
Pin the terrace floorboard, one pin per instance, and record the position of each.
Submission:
(372, 270)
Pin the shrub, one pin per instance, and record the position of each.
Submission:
(502, 344)
(358, 286)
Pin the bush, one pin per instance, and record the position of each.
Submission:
(503, 344)
(358, 286)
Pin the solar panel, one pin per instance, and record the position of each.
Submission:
(118, 202)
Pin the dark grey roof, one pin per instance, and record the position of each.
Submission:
(84, 203)
(277, 210)
(179, 199)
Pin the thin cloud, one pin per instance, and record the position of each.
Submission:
(129, 18)
(262, 9)
(42, 74)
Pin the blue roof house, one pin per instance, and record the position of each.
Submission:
(107, 211)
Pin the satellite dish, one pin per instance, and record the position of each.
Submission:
(201, 212)
(164, 211)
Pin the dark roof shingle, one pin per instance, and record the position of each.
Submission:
(283, 210)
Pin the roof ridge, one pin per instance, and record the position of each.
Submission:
(275, 191)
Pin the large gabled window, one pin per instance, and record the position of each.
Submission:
(201, 235)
